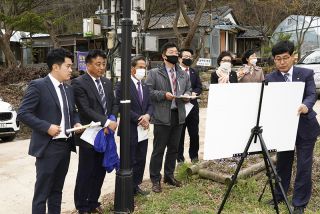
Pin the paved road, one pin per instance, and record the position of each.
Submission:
(17, 174)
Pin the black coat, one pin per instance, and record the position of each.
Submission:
(232, 77)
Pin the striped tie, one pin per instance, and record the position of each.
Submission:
(102, 96)
(174, 82)
(286, 77)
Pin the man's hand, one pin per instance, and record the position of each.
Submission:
(54, 130)
(113, 125)
(169, 96)
(303, 109)
(144, 120)
(194, 94)
(80, 130)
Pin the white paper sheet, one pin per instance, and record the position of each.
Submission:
(143, 134)
(232, 113)
(188, 107)
(90, 134)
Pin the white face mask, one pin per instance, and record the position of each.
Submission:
(225, 66)
(140, 73)
(254, 61)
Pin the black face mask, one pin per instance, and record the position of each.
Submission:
(187, 62)
(172, 59)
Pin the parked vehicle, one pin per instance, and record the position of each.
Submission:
(9, 126)
(312, 61)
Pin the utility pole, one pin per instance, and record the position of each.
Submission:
(124, 189)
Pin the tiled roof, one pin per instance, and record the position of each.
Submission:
(217, 14)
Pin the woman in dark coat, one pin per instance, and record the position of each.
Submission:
(223, 74)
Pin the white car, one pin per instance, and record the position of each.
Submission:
(9, 126)
(312, 61)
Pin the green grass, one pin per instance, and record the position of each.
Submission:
(200, 196)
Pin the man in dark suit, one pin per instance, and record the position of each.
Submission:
(308, 128)
(140, 114)
(95, 100)
(192, 120)
(167, 84)
(48, 108)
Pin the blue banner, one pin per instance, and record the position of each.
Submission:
(81, 58)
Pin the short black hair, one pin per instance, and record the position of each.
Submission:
(185, 49)
(57, 56)
(92, 54)
(168, 45)
(246, 55)
(283, 47)
(135, 60)
(223, 54)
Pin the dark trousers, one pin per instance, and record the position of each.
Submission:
(303, 182)
(192, 123)
(51, 171)
(138, 161)
(165, 137)
(89, 181)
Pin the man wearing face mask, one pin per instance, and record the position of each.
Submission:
(167, 84)
(140, 113)
(192, 120)
(250, 72)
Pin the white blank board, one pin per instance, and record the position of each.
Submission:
(232, 113)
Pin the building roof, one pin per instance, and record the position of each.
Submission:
(219, 18)
(18, 35)
(249, 32)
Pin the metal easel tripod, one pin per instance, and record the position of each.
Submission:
(256, 132)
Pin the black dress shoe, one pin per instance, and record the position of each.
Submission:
(98, 210)
(139, 191)
(172, 181)
(271, 202)
(156, 187)
(298, 210)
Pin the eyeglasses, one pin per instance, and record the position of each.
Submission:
(187, 57)
(284, 59)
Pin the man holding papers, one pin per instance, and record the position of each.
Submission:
(308, 128)
(192, 119)
(166, 83)
(140, 114)
(48, 108)
(95, 100)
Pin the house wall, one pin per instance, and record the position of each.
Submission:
(222, 41)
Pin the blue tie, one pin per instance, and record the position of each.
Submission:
(65, 108)
(102, 96)
(286, 77)
(139, 92)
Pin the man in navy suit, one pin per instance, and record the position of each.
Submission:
(48, 107)
(192, 120)
(140, 113)
(308, 128)
(95, 100)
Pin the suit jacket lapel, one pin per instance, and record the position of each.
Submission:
(93, 87)
(53, 91)
(295, 75)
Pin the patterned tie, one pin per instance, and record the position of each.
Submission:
(140, 92)
(102, 96)
(65, 109)
(174, 82)
(286, 77)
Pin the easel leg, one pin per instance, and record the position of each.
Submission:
(235, 175)
(268, 162)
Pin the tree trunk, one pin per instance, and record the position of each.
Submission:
(53, 35)
(9, 56)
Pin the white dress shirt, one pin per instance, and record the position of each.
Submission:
(290, 72)
(56, 84)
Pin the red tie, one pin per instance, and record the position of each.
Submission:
(174, 82)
